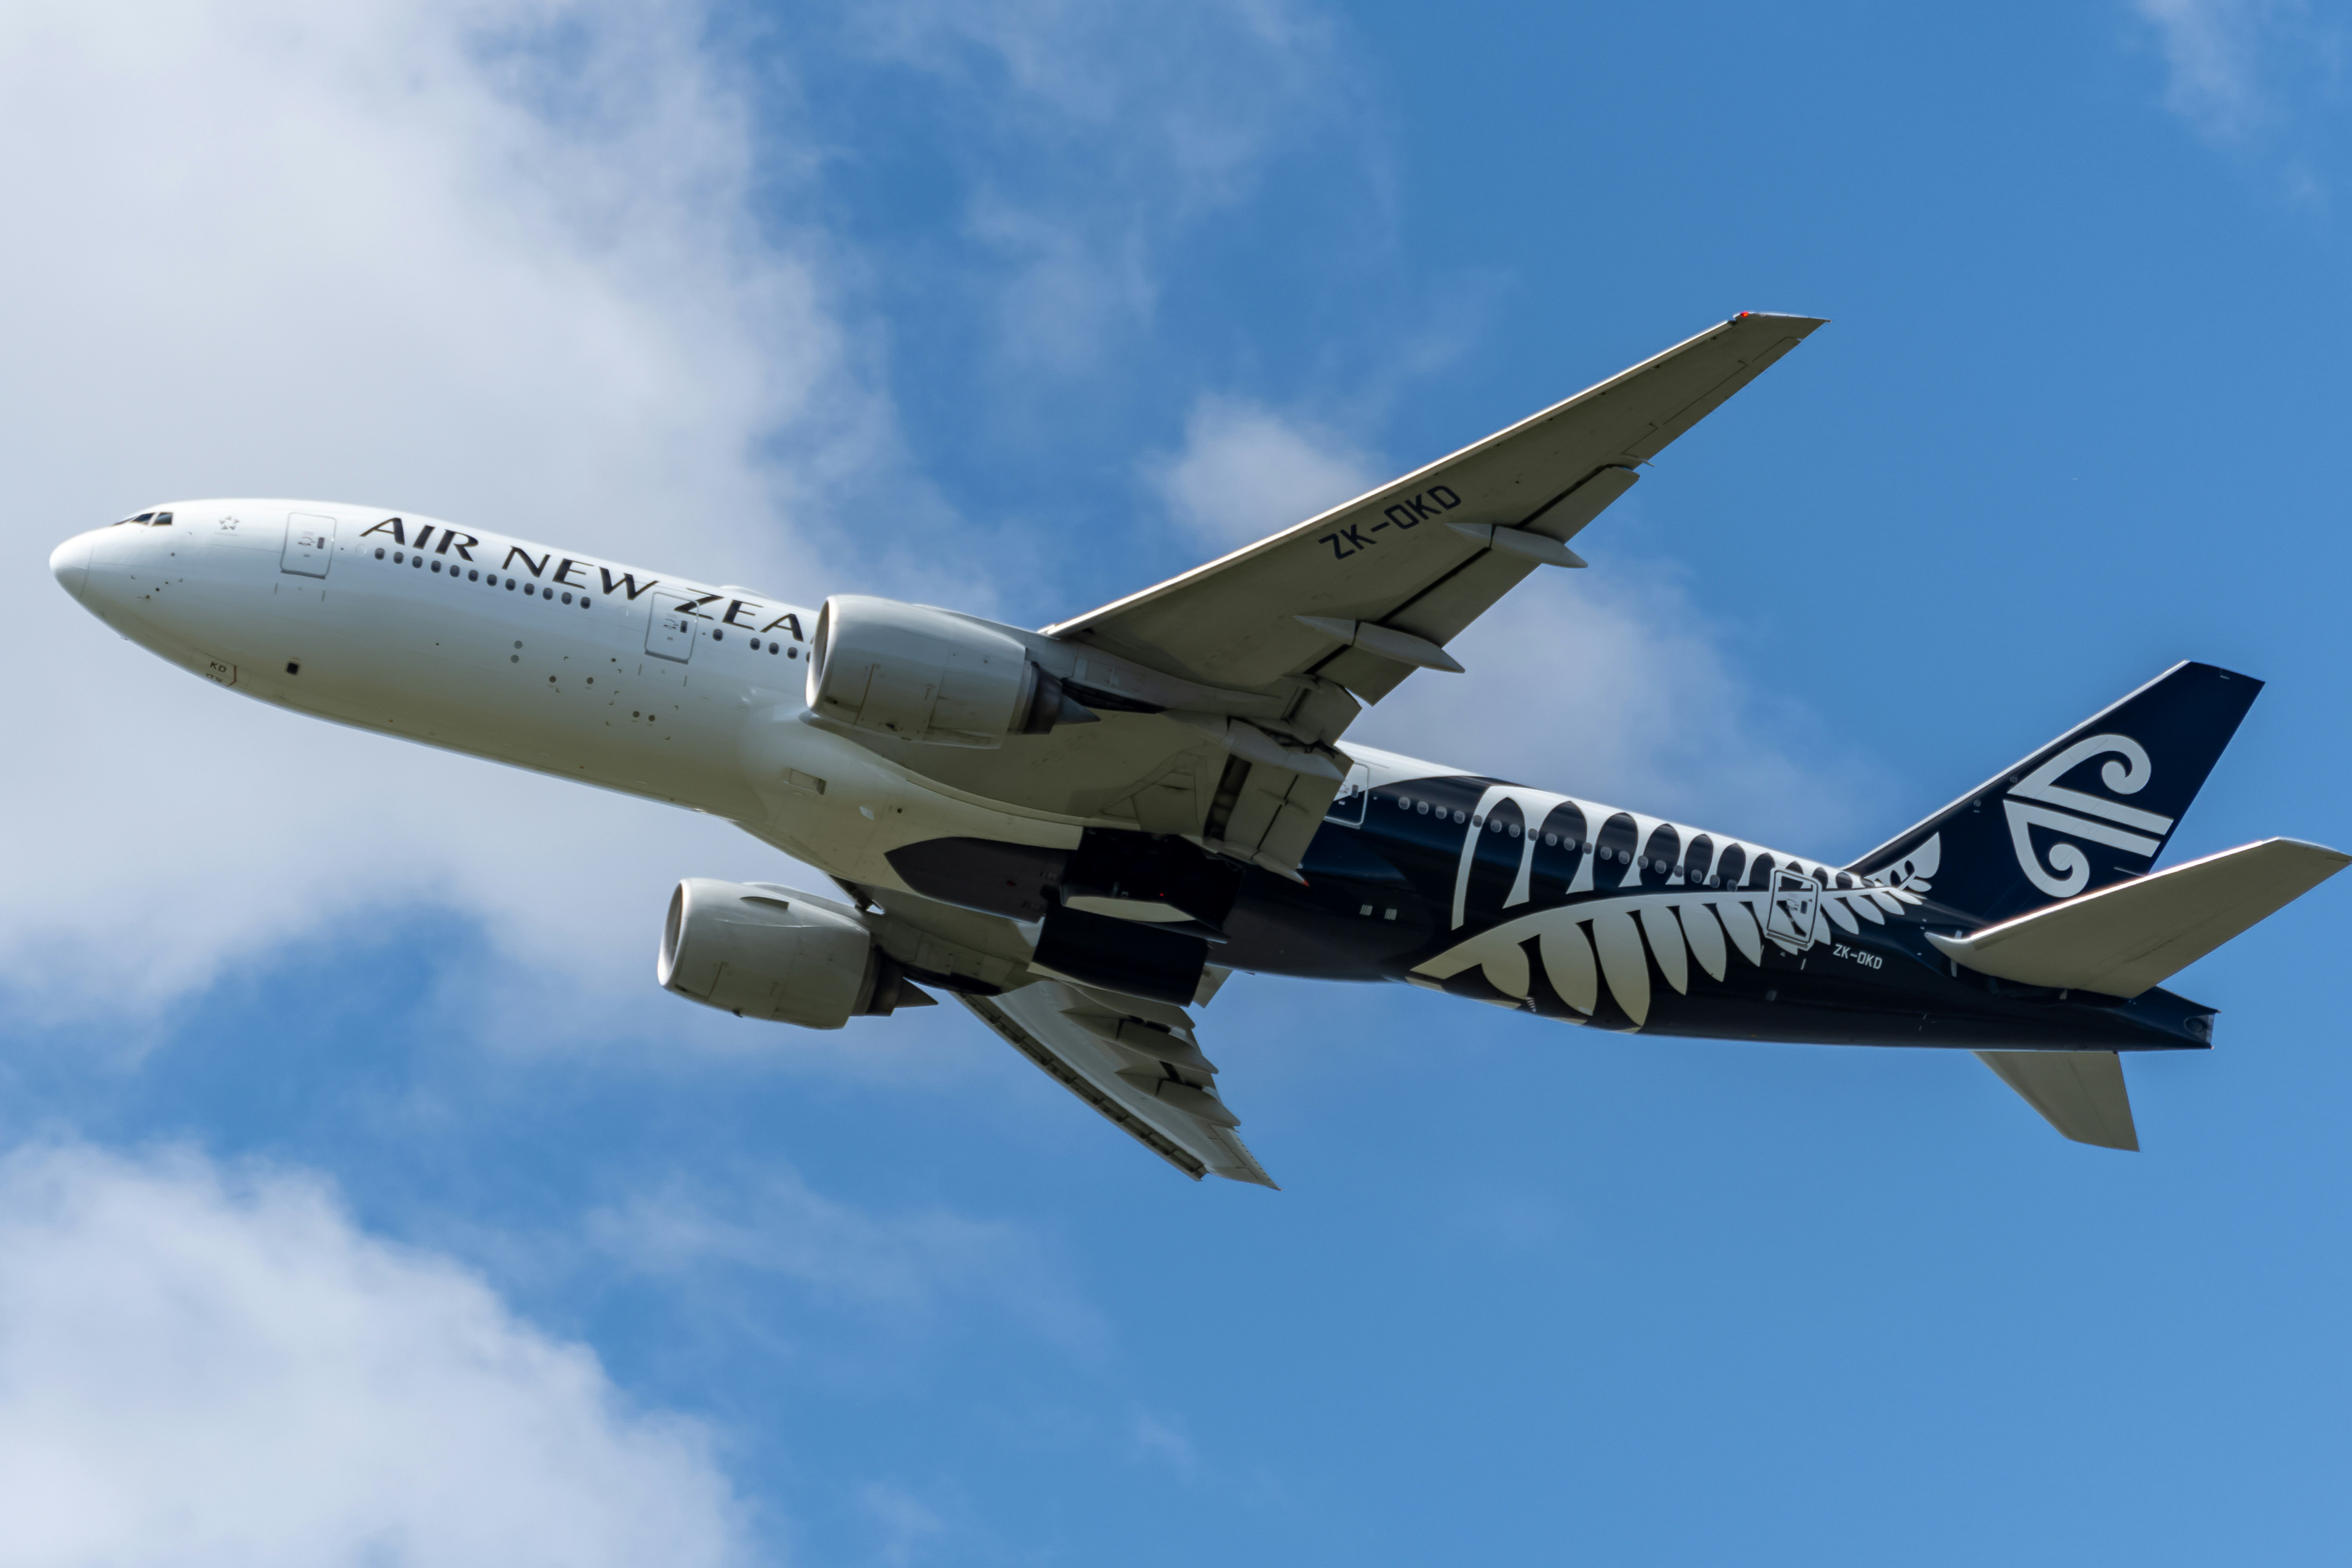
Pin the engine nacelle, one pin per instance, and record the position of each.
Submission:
(919, 674)
(774, 953)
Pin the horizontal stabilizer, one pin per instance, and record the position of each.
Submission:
(2081, 1093)
(2121, 939)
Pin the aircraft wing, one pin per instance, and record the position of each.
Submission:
(1426, 554)
(1134, 1060)
(1221, 694)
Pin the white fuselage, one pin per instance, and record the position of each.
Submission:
(567, 664)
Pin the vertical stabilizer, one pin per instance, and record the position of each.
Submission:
(2093, 808)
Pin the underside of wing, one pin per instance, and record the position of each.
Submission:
(1424, 556)
(1136, 1062)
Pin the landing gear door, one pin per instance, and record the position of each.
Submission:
(309, 545)
(670, 633)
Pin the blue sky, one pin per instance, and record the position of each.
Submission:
(364, 1199)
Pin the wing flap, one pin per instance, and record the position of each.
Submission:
(2121, 939)
(1059, 1027)
(2081, 1093)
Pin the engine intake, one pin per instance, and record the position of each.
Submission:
(919, 674)
(763, 951)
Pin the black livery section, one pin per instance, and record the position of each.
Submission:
(1659, 927)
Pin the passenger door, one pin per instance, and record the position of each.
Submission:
(1347, 806)
(1795, 900)
(309, 545)
(669, 634)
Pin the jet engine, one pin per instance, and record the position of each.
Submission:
(919, 674)
(765, 952)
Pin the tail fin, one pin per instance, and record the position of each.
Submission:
(2091, 808)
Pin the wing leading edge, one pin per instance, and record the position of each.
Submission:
(1426, 554)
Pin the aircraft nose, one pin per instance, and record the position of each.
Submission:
(70, 563)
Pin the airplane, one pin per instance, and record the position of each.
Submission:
(1079, 831)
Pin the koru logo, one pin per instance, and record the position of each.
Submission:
(2033, 802)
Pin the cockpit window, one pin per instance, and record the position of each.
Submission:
(163, 519)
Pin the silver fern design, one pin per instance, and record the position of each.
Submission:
(1621, 940)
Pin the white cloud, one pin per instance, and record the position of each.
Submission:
(908, 1265)
(1245, 471)
(1096, 132)
(1162, 1443)
(1065, 294)
(202, 1367)
(907, 1524)
(2234, 66)
(1186, 96)
(2207, 47)
(390, 252)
